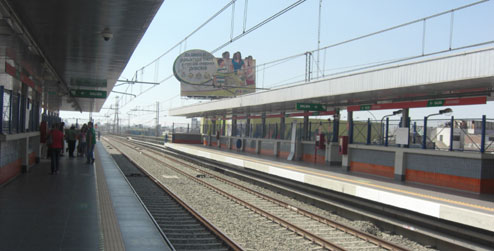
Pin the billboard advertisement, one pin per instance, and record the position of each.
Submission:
(202, 75)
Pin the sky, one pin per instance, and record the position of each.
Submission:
(293, 33)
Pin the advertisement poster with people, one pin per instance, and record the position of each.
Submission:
(202, 75)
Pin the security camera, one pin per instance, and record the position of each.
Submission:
(107, 34)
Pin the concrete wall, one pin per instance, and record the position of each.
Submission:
(186, 138)
(466, 171)
(285, 147)
(18, 152)
(270, 147)
(373, 162)
(250, 145)
(453, 172)
(267, 147)
(311, 154)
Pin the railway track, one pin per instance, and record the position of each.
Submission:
(322, 231)
(184, 228)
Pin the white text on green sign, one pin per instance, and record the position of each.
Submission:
(88, 94)
(437, 102)
(311, 107)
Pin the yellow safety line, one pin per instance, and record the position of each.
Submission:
(358, 182)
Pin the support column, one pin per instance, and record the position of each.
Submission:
(282, 126)
(333, 157)
(213, 124)
(451, 133)
(247, 126)
(350, 127)
(336, 126)
(263, 125)
(234, 126)
(400, 168)
(405, 123)
(400, 165)
(223, 127)
(305, 133)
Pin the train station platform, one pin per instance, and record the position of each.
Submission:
(84, 207)
(460, 207)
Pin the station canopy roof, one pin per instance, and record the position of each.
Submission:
(463, 75)
(79, 66)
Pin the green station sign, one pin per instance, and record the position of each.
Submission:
(87, 93)
(437, 102)
(365, 107)
(311, 107)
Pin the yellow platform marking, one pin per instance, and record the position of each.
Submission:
(288, 166)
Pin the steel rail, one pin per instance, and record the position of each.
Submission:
(349, 230)
(231, 244)
(312, 237)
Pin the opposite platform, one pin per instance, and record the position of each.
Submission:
(444, 204)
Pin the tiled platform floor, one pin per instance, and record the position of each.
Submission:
(40, 211)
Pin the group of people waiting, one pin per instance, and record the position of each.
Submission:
(54, 142)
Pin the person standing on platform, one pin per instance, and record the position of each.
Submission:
(91, 141)
(55, 142)
(82, 146)
(62, 130)
(71, 137)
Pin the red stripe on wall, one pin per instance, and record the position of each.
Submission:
(267, 152)
(310, 158)
(444, 180)
(9, 171)
(32, 158)
(487, 186)
(250, 150)
(423, 103)
(184, 141)
(284, 155)
(384, 171)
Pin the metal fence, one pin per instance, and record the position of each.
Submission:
(451, 134)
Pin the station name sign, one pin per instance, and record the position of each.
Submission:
(310, 107)
(87, 93)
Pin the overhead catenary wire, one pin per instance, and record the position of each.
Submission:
(193, 32)
(323, 70)
(260, 24)
(400, 25)
(265, 21)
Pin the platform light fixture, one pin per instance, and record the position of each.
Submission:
(424, 134)
(443, 111)
(385, 130)
(446, 111)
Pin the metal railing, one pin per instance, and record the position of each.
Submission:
(451, 134)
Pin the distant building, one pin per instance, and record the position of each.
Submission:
(467, 135)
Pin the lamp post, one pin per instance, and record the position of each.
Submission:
(385, 133)
(424, 136)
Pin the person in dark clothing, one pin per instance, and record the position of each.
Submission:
(71, 138)
(61, 128)
(91, 141)
(55, 140)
